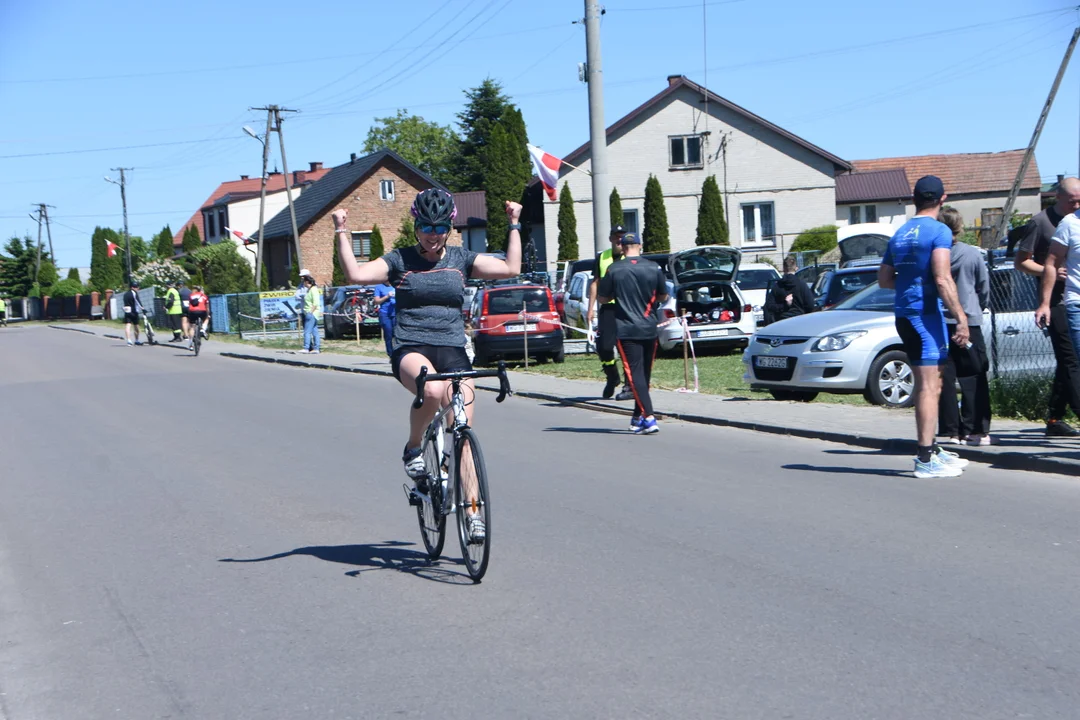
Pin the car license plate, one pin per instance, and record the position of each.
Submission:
(710, 333)
(520, 328)
(770, 362)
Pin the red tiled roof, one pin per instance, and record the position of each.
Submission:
(962, 173)
(869, 186)
(251, 187)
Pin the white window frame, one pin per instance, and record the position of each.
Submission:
(686, 165)
(634, 225)
(757, 241)
(386, 190)
(361, 240)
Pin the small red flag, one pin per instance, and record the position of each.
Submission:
(112, 248)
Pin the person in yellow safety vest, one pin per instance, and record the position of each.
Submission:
(312, 314)
(3, 311)
(605, 331)
(174, 310)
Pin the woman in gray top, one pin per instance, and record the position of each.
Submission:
(429, 282)
(970, 422)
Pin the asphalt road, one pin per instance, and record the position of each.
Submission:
(190, 537)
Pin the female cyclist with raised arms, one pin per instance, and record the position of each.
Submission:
(429, 279)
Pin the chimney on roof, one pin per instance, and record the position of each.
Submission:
(673, 79)
(298, 177)
(352, 158)
(315, 166)
(243, 177)
(1060, 179)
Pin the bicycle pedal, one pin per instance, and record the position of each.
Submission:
(414, 500)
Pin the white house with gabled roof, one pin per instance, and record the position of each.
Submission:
(773, 183)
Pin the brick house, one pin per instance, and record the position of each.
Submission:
(377, 189)
(235, 204)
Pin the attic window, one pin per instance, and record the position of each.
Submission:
(685, 152)
(386, 190)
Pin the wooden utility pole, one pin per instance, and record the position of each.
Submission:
(288, 185)
(1003, 221)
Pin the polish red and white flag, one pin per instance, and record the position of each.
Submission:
(112, 248)
(547, 167)
(240, 236)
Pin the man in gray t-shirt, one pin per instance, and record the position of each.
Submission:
(1030, 257)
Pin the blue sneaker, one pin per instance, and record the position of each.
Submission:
(648, 426)
(635, 423)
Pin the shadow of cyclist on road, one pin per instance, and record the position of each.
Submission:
(390, 555)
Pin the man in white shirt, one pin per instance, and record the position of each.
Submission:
(1064, 252)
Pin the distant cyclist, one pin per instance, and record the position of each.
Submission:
(429, 282)
(132, 309)
(198, 312)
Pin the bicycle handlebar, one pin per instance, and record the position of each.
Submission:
(424, 377)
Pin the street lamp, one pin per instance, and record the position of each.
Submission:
(252, 133)
(127, 237)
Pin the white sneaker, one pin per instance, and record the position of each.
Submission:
(303, 352)
(951, 459)
(935, 469)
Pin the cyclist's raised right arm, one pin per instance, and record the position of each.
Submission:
(370, 273)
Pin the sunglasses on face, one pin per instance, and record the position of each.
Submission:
(433, 229)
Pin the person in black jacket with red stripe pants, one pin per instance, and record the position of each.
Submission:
(638, 287)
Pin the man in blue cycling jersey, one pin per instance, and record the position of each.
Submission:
(918, 264)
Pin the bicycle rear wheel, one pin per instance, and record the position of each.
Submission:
(469, 459)
(197, 341)
(149, 333)
(430, 513)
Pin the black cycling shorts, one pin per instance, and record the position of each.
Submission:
(131, 318)
(446, 359)
(194, 317)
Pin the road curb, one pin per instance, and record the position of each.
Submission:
(1008, 461)
(71, 329)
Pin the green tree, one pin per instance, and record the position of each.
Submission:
(294, 275)
(655, 236)
(220, 269)
(106, 273)
(712, 227)
(568, 240)
(821, 239)
(159, 273)
(17, 267)
(406, 236)
(47, 276)
(163, 244)
(507, 170)
(141, 252)
(73, 274)
(615, 203)
(191, 241)
(378, 248)
(337, 275)
(484, 109)
(427, 145)
(65, 288)
(264, 280)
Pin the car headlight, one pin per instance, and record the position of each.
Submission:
(839, 341)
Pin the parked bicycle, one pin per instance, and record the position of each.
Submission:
(148, 328)
(456, 480)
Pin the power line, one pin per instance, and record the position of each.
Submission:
(674, 7)
(108, 149)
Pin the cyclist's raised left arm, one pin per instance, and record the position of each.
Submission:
(488, 267)
(370, 273)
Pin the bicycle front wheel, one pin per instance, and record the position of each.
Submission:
(430, 512)
(470, 483)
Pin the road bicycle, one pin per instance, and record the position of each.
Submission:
(148, 328)
(197, 335)
(456, 482)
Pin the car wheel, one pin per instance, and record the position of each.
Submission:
(796, 395)
(559, 356)
(891, 381)
(479, 356)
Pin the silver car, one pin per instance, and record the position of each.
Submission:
(854, 348)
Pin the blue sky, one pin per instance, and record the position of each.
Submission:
(860, 79)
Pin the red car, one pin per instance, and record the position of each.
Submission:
(499, 330)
